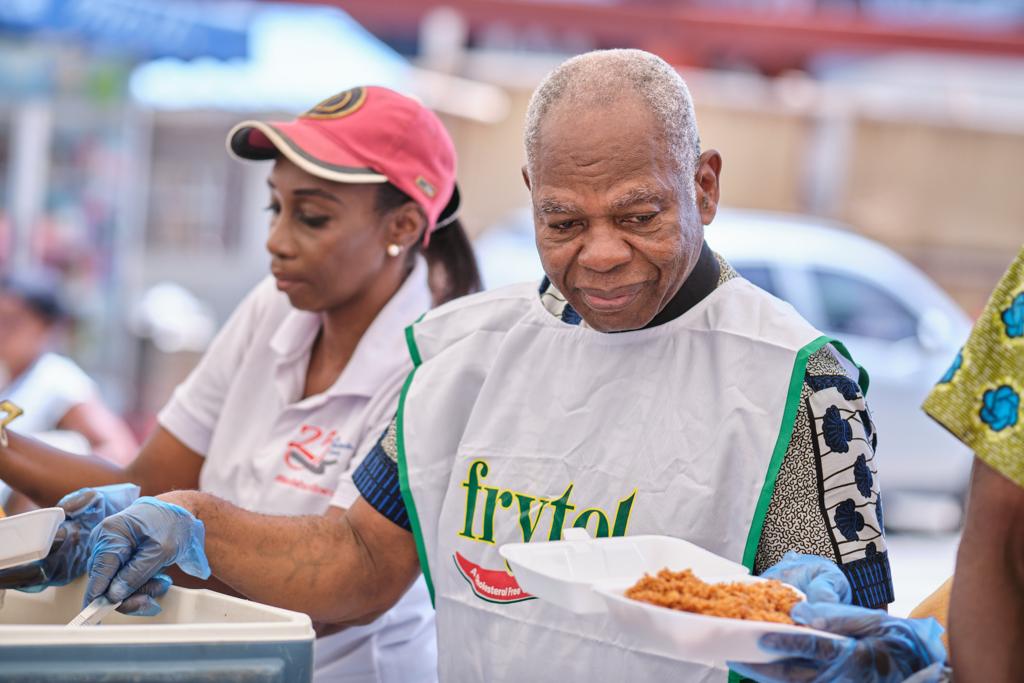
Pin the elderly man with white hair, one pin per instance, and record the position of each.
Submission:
(645, 388)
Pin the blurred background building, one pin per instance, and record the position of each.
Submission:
(902, 120)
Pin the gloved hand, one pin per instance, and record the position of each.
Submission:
(819, 579)
(66, 561)
(130, 548)
(142, 602)
(879, 648)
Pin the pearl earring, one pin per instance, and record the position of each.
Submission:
(394, 250)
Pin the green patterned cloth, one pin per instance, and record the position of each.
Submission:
(980, 397)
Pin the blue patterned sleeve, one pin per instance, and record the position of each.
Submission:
(377, 481)
(844, 443)
(826, 497)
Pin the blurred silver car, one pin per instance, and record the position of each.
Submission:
(895, 321)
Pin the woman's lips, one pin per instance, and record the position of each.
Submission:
(286, 284)
(610, 300)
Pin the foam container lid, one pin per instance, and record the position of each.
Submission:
(590, 576)
(27, 537)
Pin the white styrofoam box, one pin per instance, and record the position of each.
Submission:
(590, 576)
(188, 616)
(27, 537)
(695, 637)
(564, 572)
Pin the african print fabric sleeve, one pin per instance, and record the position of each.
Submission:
(377, 480)
(826, 498)
(979, 398)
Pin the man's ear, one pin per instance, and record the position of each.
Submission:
(526, 177)
(706, 184)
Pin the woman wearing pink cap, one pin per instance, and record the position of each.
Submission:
(305, 376)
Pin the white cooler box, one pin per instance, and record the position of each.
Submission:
(200, 636)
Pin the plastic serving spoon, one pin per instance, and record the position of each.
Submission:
(95, 612)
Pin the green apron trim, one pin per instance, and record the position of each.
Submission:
(410, 342)
(403, 466)
(862, 379)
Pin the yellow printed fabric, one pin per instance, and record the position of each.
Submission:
(980, 399)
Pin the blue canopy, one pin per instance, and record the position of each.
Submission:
(297, 56)
(143, 29)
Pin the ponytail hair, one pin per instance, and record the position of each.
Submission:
(453, 268)
(453, 271)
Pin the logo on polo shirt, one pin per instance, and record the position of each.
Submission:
(314, 450)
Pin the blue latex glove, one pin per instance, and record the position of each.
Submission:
(66, 561)
(130, 549)
(819, 579)
(143, 602)
(880, 648)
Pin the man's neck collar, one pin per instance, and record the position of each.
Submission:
(703, 280)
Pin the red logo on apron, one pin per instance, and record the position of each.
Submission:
(492, 585)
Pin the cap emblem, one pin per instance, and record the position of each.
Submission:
(337, 106)
(424, 185)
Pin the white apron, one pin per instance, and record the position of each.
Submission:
(515, 426)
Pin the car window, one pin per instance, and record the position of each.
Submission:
(760, 276)
(858, 307)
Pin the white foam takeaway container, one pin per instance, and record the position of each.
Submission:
(589, 576)
(28, 536)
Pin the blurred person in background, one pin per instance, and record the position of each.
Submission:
(305, 376)
(979, 400)
(55, 393)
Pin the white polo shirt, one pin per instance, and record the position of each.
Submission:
(269, 450)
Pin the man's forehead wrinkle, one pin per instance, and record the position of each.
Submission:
(582, 161)
(599, 165)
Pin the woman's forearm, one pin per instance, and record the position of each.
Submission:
(319, 565)
(45, 474)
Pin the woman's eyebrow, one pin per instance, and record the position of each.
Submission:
(316, 192)
(309, 192)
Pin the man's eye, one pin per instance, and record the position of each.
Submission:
(640, 219)
(564, 225)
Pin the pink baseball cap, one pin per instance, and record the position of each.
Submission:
(367, 134)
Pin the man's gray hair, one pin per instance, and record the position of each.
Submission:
(605, 75)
